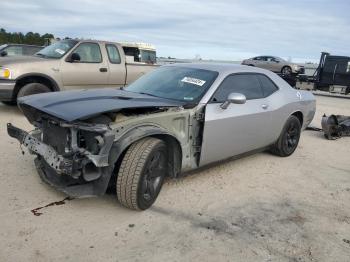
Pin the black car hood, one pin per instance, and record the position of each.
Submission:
(83, 104)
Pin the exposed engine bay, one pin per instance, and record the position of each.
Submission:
(71, 149)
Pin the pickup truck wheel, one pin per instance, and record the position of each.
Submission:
(289, 138)
(32, 88)
(141, 173)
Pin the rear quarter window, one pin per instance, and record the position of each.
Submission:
(267, 85)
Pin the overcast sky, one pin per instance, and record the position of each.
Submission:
(214, 29)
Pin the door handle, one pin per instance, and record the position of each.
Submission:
(264, 106)
(103, 69)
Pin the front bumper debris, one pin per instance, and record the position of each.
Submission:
(73, 162)
(78, 172)
(335, 126)
(60, 164)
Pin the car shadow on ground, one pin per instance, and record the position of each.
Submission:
(7, 110)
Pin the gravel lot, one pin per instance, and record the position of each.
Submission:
(259, 208)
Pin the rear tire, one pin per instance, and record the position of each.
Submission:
(141, 173)
(32, 89)
(289, 138)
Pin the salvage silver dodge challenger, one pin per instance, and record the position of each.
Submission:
(172, 120)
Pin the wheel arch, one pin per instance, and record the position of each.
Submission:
(35, 78)
(300, 116)
(120, 147)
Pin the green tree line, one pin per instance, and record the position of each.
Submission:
(29, 38)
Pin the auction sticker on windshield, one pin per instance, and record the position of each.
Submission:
(193, 81)
(60, 51)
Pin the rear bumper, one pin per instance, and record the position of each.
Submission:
(6, 89)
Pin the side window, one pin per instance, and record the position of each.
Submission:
(14, 50)
(30, 50)
(246, 84)
(113, 54)
(89, 53)
(274, 59)
(267, 85)
(132, 51)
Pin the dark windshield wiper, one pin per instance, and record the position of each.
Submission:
(189, 105)
(40, 54)
(142, 93)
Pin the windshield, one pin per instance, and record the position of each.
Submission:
(176, 83)
(3, 46)
(58, 49)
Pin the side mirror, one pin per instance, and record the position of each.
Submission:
(3, 53)
(277, 61)
(234, 98)
(75, 57)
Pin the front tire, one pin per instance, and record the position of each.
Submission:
(32, 89)
(286, 70)
(141, 173)
(289, 138)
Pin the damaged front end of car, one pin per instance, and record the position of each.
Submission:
(69, 155)
(80, 136)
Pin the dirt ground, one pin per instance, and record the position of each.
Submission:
(259, 208)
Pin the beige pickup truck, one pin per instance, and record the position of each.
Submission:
(70, 64)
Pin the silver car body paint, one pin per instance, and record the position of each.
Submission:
(246, 127)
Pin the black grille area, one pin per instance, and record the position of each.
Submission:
(55, 136)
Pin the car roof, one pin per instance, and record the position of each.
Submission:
(222, 68)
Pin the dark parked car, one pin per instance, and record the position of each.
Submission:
(19, 49)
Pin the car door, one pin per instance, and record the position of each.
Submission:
(117, 69)
(275, 64)
(269, 64)
(262, 63)
(241, 127)
(90, 72)
(256, 61)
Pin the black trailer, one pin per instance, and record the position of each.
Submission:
(332, 74)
